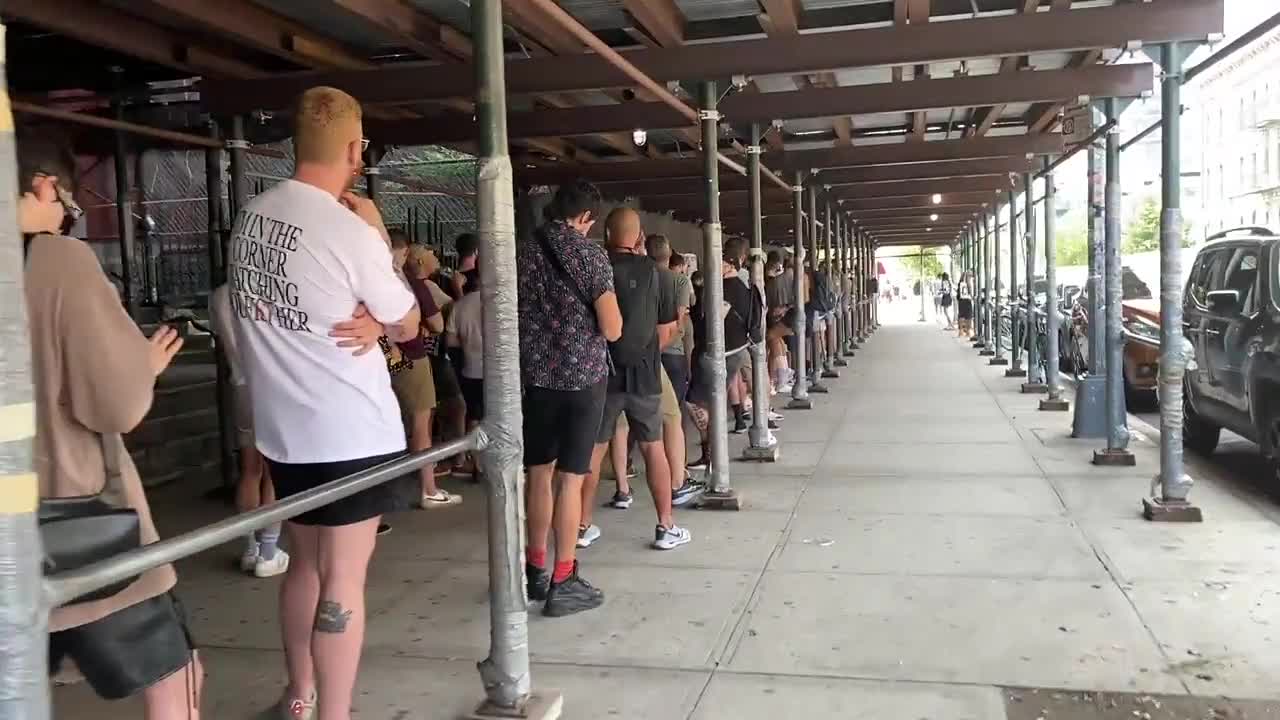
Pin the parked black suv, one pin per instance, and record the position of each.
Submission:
(1231, 315)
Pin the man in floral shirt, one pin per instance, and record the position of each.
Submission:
(568, 314)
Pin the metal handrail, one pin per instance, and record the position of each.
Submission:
(64, 587)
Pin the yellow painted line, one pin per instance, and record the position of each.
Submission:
(19, 494)
(17, 422)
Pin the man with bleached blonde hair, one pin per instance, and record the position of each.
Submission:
(312, 289)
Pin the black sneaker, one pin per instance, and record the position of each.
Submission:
(538, 580)
(773, 425)
(702, 463)
(572, 596)
(740, 425)
(686, 494)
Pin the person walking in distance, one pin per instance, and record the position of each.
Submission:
(314, 288)
(964, 304)
(568, 314)
(946, 296)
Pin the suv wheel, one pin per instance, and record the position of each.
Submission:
(1198, 435)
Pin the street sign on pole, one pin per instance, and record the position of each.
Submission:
(1077, 123)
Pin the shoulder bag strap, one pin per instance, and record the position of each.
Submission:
(558, 264)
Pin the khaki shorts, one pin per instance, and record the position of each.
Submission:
(415, 388)
(670, 406)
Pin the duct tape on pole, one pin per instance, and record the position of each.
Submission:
(1171, 488)
(830, 322)
(1116, 452)
(761, 444)
(505, 672)
(721, 494)
(800, 386)
(815, 355)
(1053, 353)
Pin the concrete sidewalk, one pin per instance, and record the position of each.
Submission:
(927, 541)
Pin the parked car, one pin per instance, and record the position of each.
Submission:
(1140, 318)
(1231, 315)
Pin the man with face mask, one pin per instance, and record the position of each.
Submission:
(305, 256)
(95, 376)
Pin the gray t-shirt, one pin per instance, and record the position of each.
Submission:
(684, 299)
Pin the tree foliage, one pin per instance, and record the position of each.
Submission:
(1072, 236)
(912, 262)
(1143, 233)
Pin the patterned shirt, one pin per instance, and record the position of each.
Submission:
(561, 347)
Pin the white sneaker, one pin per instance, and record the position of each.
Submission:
(670, 538)
(784, 389)
(249, 559)
(588, 535)
(298, 708)
(277, 565)
(441, 499)
(775, 416)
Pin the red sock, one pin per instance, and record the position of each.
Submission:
(536, 557)
(563, 570)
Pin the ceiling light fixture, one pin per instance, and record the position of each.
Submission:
(933, 217)
(937, 199)
(639, 137)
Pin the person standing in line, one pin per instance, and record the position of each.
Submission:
(314, 287)
(779, 291)
(413, 375)
(675, 366)
(634, 388)
(568, 314)
(464, 338)
(423, 272)
(964, 304)
(262, 555)
(94, 374)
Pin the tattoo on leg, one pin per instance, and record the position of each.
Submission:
(331, 617)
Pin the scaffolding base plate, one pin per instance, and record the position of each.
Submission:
(1158, 510)
(818, 388)
(1015, 373)
(542, 705)
(840, 362)
(717, 500)
(1058, 405)
(1034, 388)
(978, 345)
(831, 374)
(800, 404)
(986, 353)
(998, 361)
(1114, 458)
(768, 453)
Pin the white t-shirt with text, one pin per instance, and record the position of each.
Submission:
(300, 263)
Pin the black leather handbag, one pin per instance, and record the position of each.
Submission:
(79, 531)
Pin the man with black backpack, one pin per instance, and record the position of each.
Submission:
(649, 321)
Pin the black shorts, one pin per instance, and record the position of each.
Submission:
(129, 650)
(446, 379)
(677, 367)
(293, 478)
(700, 385)
(473, 395)
(560, 426)
(965, 309)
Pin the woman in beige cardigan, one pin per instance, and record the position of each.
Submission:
(94, 376)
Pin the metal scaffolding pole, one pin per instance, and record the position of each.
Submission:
(800, 389)
(1015, 346)
(920, 281)
(830, 331)
(1175, 349)
(1090, 418)
(1116, 452)
(237, 145)
(997, 279)
(987, 344)
(815, 355)
(841, 287)
(1035, 357)
(124, 214)
(505, 673)
(217, 276)
(851, 296)
(761, 445)
(24, 669)
(1052, 310)
(721, 493)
